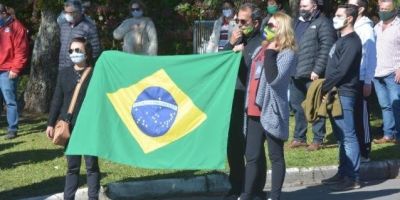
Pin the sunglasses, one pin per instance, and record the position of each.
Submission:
(270, 25)
(76, 50)
(136, 9)
(71, 13)
(241, 21)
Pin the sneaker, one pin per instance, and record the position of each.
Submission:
(297, 144)
(383, 140)
(314, 147)
(347, 184)
(337, 178)
(11, 135)
(364, 159)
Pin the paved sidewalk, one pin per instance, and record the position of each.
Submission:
(375, 190)
(295, 184)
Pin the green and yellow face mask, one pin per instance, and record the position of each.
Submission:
(269, 34)
(247, 30)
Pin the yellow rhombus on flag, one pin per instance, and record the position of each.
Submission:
(156, 111)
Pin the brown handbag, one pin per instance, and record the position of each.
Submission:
(61, 129)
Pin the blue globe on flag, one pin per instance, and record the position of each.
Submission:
(154, 111)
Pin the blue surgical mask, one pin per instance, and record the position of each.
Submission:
(3, 21)
(77, 58)
(137, 13)
(227, 12)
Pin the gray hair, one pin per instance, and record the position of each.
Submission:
(256, 13)
(3, 8)
(76, 4)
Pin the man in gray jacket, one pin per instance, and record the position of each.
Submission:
(314, 36)
(76, 25)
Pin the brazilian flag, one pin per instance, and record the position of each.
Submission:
(164, 112)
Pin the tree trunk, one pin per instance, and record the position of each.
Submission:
(44, 65)
(294, 7)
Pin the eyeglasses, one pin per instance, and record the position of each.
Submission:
(76, 50)
(73, 12)
(270, 25)
(135, 9)
(241, 21)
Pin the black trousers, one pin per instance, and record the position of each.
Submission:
(255, 173)
(236, 145)
(362, 125)
(72, 178)
(298, 93)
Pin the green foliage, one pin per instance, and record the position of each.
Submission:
(54, 5)
(173, 18)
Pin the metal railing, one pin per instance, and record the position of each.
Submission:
(202, 30)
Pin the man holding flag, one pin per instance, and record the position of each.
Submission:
(246, 39)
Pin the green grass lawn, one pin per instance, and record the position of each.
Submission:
(31, 165)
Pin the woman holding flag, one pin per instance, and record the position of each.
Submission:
(81, 55)
(267, 108)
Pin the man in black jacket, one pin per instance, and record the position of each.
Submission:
(247, 39)
(314, 36)
(343, 72)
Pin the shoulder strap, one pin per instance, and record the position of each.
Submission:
(77, 89)
(256, 51)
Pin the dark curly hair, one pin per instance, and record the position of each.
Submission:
(88, 49)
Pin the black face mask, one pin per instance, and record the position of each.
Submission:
(306, 14)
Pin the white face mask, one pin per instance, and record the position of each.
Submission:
(339, 23)
(69, 18)
(77, 58)
(227, 12)
(138, 13)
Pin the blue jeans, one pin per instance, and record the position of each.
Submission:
(9, 90)
(298, 92)
(344, 131)
(388, 93)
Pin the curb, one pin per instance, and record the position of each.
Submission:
(219, 183)
(82, 193)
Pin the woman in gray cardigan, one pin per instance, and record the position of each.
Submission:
(267, 109)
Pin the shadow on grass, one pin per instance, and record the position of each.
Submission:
(31, 120)
(46, 187)
(40, 128)
(318, 192)
(6, 146)
(24, 119)
(331, 141)
(34, 124)
(389, 152)
(14, 159)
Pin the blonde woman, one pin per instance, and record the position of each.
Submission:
(267, 108)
